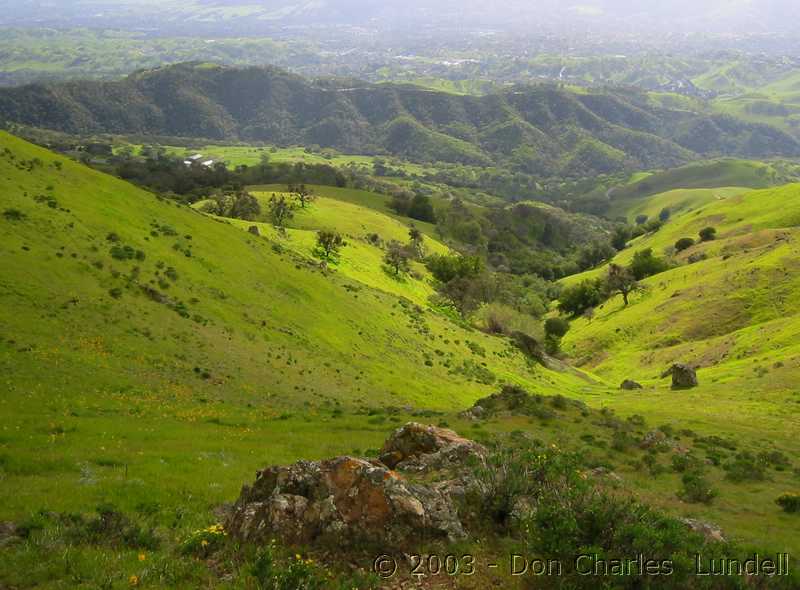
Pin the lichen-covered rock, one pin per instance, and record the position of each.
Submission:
(341, 500)
(476, 412)
(416, 447)
(654, 439)
(683, 376)
(711, 532)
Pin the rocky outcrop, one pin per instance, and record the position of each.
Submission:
(710, 532)
(352, 500)
(630, 385)
(416, 447)
(683, 376)
(341, 500)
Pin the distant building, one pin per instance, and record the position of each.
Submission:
(208, 163)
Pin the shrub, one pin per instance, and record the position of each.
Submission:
(789, 502)
(696, 488)
(745, 467)
(646, 264)
(579, 298)
(14, 215)
(545, 496)
(683, 244)
(557, 327)
(707, 234)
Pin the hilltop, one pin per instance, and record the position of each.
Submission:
(541, 130)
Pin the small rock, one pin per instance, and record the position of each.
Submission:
(8, 533)
(654, 438)
(473, 413)
(630, 385)
(711, 532)
(253, 229)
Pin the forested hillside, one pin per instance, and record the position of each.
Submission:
(541, 130)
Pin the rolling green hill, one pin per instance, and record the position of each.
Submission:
(732, 313)
(148, 349)
(154, 357)
(635, 197)
(541, 130)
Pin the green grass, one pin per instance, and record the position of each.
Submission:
(250, 155)
(676, 200)
(123, 398)
(710, 174)
(732, 314)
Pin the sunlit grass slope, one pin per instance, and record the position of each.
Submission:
(733, 313)
(735, 316)
(151, 355)
(710, 174)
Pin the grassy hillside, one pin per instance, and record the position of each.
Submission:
(149, 349)
(732, 314)
(676, 200)
(360, 259)
(154, 357)
(710, 174)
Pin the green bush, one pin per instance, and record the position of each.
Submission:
(707, 234)
(745, 467)
(789, 502)
(683, 244)
(646, 264)
(579, 298)
(14, 215)
(557, 327)
(696, 489)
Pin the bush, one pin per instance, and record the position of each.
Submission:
(789, 502)
(745, 467)
(683, 244)
(557, 327)
(14, 215)
(579, 298)
(707, 234)
(545, 497)
(696, 488)
(646, 264)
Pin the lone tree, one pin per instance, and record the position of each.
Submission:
(397, 257)
(328, 243)
(280, 210)
(244, 206)
(621, 280)
(415, 241)
(303, 194)
(708, 234)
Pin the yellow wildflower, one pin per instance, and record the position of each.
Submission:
(133, 580)
(142, 557)
(204, 543)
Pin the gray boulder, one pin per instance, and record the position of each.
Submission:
(683, 376)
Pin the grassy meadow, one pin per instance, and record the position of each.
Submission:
(153, 357)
